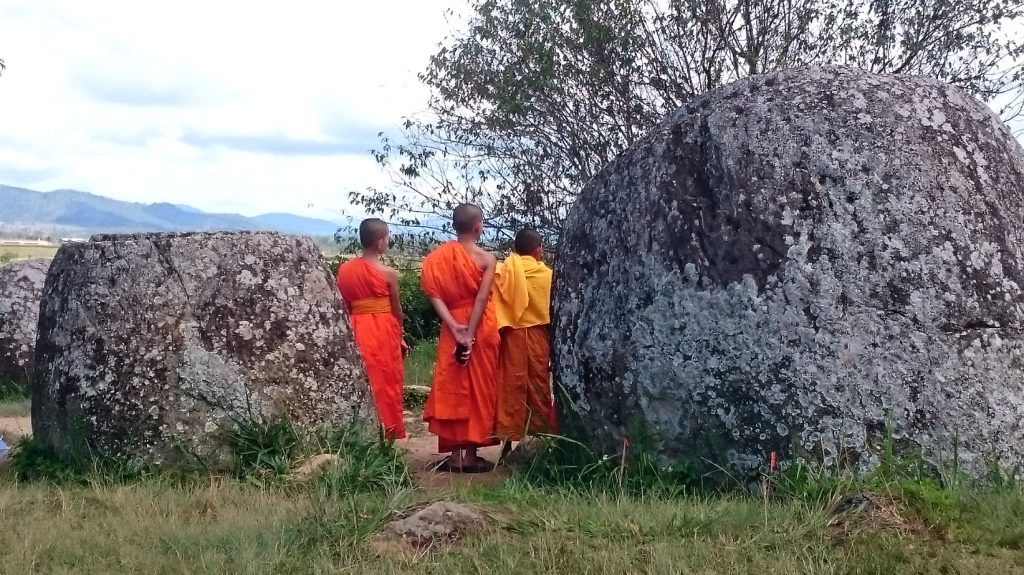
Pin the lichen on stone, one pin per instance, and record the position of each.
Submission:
(802, 262)
(151, 344)
(21, 285)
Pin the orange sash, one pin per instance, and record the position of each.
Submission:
(369, 305)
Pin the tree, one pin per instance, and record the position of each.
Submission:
(537, 95)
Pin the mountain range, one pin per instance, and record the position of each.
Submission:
(70, 212)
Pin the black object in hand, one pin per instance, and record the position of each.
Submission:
(462, 354)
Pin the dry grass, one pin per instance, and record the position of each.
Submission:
(229, 526)
(23, 251)
(15, 407)
(225, 527)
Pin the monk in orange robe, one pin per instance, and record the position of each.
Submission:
(457, 278)
(522, 296)
(370, 292)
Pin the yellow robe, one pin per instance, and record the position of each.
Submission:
(522, 298)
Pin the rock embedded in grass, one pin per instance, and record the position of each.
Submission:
(443, 523)
(21, 286)
(810, 262)
(150, 344)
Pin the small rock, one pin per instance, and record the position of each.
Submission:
(314, 466)
(441, 523)
(415, 396)
(526, 450)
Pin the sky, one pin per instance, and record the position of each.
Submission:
(228, 106)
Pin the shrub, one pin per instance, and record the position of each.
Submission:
(421, 321)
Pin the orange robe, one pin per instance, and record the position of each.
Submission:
(460, 406)
(379, 337)
(522, 295)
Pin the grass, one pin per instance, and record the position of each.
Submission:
(224, 526)
(419, 366)
(567, 512)
(15, 407)
(14, 401)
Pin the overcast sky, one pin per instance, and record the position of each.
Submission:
(231, 106)
(225, 105)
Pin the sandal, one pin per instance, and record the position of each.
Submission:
(445, 466)
(435, 465)
(481, 466)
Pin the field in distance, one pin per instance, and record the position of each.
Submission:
(15, 249)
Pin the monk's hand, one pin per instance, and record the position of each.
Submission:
(461, 333)
(405, 349)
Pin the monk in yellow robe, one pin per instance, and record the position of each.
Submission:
(522, 295)
(370, 292)
(457, 278)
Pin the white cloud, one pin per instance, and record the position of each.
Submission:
(234, 106)
(225, 105)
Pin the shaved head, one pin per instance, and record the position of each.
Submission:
(527, 242)
(466, 217)
(372, 231)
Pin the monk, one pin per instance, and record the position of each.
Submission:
(457, 278)
(522, 295)
(370, 292)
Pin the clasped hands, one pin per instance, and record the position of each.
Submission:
(464, 338)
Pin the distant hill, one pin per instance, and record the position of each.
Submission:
(293, 224)
(70, 212)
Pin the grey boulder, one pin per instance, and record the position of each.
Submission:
(21, 285)
(152, 345)
(812, 263)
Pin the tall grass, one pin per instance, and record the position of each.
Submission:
(15, 406)
(10, 391)
(264, 454)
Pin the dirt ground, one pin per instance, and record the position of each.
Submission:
(12, 428)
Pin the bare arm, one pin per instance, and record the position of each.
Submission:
(396, 308)
(482, 295)
(396, 301)
(344, 301)
(446, 316)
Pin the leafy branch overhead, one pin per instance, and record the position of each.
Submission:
(535, 96)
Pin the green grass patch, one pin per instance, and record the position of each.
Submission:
(266, 454)
(10, 391)
(14, 400)
(419, 366)
(562, 463)
(263, 455)
(567, 510)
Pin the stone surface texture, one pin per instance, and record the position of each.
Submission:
(803, 262)
(150, 344)
(21, 285)
(440, 522)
